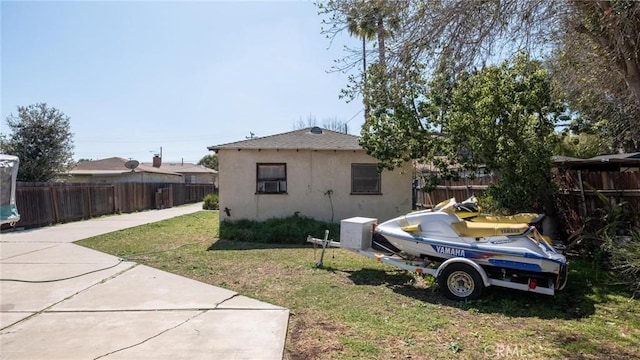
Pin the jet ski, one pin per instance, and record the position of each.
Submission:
(470, 210)
(504, 246)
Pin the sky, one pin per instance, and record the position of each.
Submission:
(139, 77)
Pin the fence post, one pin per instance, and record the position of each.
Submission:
(583, 201)
(88, 197)
(113, 194)
(116, 198)
(54, 204)
(611, 185)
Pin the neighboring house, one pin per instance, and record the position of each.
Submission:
(193, 173)
(314, 172)
(113, 170)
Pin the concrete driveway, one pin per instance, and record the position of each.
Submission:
(59, 300)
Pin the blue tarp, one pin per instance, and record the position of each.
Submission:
(8, 174)
(9, 213)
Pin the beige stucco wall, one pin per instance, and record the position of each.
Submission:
(309, 175)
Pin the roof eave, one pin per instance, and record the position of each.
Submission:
(216, 149)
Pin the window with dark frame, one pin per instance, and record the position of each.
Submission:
(365, 179)
(271, 178)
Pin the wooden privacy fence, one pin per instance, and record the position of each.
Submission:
(460, 189)
(581, 192)
(584, 192)
(50, 203)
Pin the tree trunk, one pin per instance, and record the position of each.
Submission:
(381, 47)
(364, 59)
(364, 77)
(616, 36)
(632, 78)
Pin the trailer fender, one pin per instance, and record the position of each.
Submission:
(479, 269)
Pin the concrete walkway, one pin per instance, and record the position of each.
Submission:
(118, 309)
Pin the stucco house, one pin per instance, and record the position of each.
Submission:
(113, 170)
(192, 173)
(313, 172)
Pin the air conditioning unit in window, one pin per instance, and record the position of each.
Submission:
(271, 186)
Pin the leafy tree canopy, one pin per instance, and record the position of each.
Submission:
(41, 137)
(594, 46)
(500, 117)
(582, 146)
(597, 78)
(210, 161)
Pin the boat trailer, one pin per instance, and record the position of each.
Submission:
(459, 278)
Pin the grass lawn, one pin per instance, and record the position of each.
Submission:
(356, 308)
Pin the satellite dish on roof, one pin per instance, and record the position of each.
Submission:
(315, 130)
(131, 164)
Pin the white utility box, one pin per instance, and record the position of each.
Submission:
(356, 232)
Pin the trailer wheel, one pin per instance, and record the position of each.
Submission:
(460, 282)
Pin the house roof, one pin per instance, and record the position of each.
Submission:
(304, 139)
(617, 157)
(184, 168)
(113, 166)
(602, 161)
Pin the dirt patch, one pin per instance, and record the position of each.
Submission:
(606, 353)
(312, 338)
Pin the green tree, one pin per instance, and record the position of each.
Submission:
(594, 85)
(362, 25)
(613, 28)
(464, 34)
(582, 146)
(398, 128)
(366, 19)
(210, 161)
(506, 115)
(500, 117)
(41, 137)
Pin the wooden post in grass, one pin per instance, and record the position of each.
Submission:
(324, 247)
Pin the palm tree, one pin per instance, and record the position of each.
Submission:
(361, 24)
(366, 19)
(370, 19)
(388, 21)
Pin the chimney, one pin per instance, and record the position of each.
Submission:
(157, 161)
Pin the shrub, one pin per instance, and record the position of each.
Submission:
(210, 202)
(611, 239)
(625, 252)
(488, 205)
(606, 223)
(290, 230)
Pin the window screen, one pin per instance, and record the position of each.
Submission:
(365, 179)
(271, 178)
